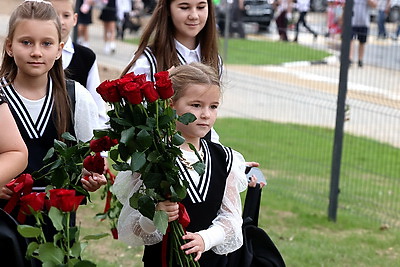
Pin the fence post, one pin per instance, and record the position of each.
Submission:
(227, 28)
(340, 110)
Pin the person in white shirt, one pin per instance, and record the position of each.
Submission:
(303, 6)
(79, 61)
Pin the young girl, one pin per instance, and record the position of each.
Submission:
(179, 32)
(215, 212)
(32, 79)
(13, 151)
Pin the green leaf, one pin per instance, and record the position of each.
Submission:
(49, 154)
(59, 178)
(154, 157)
(56, 217)
(29, 231)
(123, 166)
(50, 253)
(76, 250)
(146, 207)
(31, 248)
(127, 135)
(178, 139)
(180, 191)
(151, 122)
(161, 221)
(59, 146)
(152, 180)
(144, 139)
(187, 118)
(134, 200)
(114, 154)
(95, 237)
(122, 122)
(138, 160)
(69, 137)
(199, 167)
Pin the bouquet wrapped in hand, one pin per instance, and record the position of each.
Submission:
(143, 122)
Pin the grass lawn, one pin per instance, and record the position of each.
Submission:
(255, 52)
(302, 232)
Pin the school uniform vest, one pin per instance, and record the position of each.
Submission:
(81, 63)
(39, 137)
(202, 202)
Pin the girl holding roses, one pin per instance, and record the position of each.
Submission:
(212, 201)
(33, 81)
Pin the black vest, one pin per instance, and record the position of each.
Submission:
(202, 213)
(80, 65)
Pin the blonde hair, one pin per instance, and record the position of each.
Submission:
(43, 11)
(194, 73)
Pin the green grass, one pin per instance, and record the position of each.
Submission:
(256, 52)
(296, 160)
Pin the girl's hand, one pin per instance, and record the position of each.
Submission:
(196, 245)
(5, 193)
(93, 181)
(171, 208)
(252, 164)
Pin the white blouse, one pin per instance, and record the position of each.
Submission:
(223, 236)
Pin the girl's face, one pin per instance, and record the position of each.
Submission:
(189, 18)
(202, 100)
(34, 47)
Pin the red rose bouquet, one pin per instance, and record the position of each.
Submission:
(143, 122)
(66, 247)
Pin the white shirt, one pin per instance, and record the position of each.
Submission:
(85, 116)
(223, 235)
(93, 80)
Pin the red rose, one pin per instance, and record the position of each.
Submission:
(131, 92)
(149, 92)
(131, 77)
(109, 91)
(33, 200)
(65, 199)
(102, 144)
(164, 84)
(94, 163)
(114, 233)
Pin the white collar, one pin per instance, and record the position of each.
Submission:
(185, 52)
(69, 46)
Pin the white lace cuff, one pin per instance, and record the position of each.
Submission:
(212, 236)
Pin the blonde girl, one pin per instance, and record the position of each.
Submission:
(32, 79)
(213, 200)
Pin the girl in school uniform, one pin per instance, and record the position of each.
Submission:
(179, 32)
(32, 79)
(214, 207)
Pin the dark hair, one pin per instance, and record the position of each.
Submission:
(158, 35)
(44, 11)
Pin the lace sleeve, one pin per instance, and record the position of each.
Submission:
(229, 218)
(133, 228)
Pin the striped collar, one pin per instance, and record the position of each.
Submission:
(34, 129)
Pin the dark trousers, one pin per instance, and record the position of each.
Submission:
(282, 24)
(302, 20)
